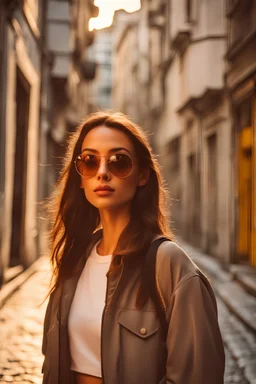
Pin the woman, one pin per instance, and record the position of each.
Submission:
(101, 324)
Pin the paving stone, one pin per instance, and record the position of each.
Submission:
(21, 332)
(7, 379)
(239, 340)
(28, 378)
(250, 370)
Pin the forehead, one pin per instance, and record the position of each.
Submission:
(103, 139)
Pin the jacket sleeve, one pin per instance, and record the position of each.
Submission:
(195, 353)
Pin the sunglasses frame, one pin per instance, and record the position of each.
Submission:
(99, 158)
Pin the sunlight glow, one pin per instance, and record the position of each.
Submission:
(107, 9)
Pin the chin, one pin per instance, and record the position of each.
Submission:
(110, 205)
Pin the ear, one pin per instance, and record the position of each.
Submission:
(143, 177)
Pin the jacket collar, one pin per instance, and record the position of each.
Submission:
(115, 277)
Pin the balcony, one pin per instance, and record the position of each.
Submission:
(85, 67)
(181, 41)
(156, 20)
(157, 15)
(208, 99)
(180, 26)
(201, 74)
(88, 69)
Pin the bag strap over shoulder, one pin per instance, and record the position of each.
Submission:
(151, 269)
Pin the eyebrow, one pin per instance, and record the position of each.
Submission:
(110, 151)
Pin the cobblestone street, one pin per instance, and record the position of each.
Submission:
(240, 348)
(21, 321)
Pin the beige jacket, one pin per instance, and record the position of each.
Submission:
(132, 348)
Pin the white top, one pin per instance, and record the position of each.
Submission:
(84, 323)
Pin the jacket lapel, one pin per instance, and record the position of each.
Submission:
(69, 286)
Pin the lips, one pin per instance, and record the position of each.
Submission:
(103, 188)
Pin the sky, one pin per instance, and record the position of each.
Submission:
(107, 9)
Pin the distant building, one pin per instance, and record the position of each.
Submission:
(191, 117)
(21, 35)
(130, 65)
(44, 78)
(101, 86)
(190, 82)
(71, 73)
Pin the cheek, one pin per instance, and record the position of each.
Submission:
(88, 190)
(128, 186)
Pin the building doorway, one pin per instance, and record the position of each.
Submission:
(245, 182)
(20, 170)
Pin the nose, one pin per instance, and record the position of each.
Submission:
(103, 171)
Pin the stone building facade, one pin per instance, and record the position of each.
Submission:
(21, 31)
(71, 73)
(43, 94)
(194, 122)
(131, 64)
(191, 66)
(125, 81)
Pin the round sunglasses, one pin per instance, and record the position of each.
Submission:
(119, 164)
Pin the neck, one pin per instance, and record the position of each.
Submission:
(113, 223)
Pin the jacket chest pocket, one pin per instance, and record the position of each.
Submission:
(139, 347)
(138, 323)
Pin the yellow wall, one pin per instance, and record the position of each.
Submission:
(245, 191)
(253, 238)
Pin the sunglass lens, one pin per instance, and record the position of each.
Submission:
(87, 166)
(120, 165)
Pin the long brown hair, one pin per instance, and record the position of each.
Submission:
(74, 219)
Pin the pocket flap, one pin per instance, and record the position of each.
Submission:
(142, 324)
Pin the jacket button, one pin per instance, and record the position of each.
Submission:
(143, 331)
